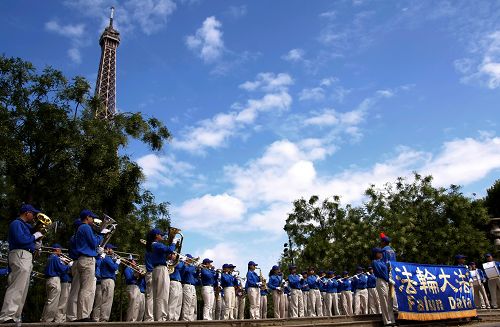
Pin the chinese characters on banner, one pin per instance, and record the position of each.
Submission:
(432, 292)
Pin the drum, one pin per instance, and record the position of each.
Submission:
(491, 269)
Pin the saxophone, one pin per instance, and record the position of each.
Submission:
(262, 280)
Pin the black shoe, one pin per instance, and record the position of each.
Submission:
(85, 320)
(10, 321)
(476, 318)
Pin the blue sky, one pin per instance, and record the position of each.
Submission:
(270, 101)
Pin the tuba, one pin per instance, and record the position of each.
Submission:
(106, 223)
(42, 223)
(172, 233)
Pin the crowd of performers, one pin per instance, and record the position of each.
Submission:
(80, 287)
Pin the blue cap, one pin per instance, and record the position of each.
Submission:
(292, 267)
(321, 272)
(224, 266)
(85, 213)
(386, 239)
(207, 260)
(156, 231)
(109, 246)
(329, 272)
(472, 263)
(345, 272)
(56, 246)
(230, 265)
(251, 263)
(189, 256)
(77, 223)
(369, 268)
(28, 207)
(460, 256)
(377, 250)
(488, 255)
(275, 267)
(359, 268)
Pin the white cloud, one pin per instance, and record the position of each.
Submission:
(326, 118)
(69, 31)
(163, 170)
(207, 41)
(268, 82)
(315, 94)
(75, 55)
(150, 15)
(294, 55)
(237, 11)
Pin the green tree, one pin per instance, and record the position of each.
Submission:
(492, 199)
(56, 155)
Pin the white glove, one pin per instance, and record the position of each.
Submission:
(37, 235)
(105, 231)
(38, 245)
(259, 284)
(118, 261)
(103, 255)
(70, 264)
(278, 288)
(100, 250)
(391, 281)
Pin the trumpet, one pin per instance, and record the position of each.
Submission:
(128, 262)
(106, 223)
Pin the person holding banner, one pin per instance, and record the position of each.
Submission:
(493, 273)
(478, 278)
(381, 271)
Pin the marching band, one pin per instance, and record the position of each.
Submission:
(80, 284)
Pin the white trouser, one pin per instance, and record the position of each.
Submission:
(148, 308)
(175, 301)
(303, 304)
(336, 304)
(347, 302)
(293, 306)
(86, 271)
(161, 288)
(286, 298)
(328, 304)
(254, 301)
(96, 311)
(480, 296)
(188, 302)
(494, 285)
(240, 307)
(263, 307)
(278, 304)
(385, 301)
(53, 287)
(21, 265)
(63, 302)
(208, 295)
(229, 303)
(72, 307)
(142, 306)
(373, 302)
(108, 291)
(315, 305)
(218, 314)
(361, 302)
(134, 301)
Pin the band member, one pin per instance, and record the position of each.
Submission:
(346, 293)
(263, 303)
(227, 282)
(175, 297)
(304, 311)
(275, 284)
(109, 267)
(381, 271)
(86, 248)
(241, 300)
(218, 301)
(460, 260)
(142, 298)
(63, 298)
(361, 295)
(53, 271)
(388, 253)
(331, 289)
(161, 279)
(252, 287)
(322, 289)
(72, 306)
(373, 299)
(478, 278)
(208, 278)
(493, 283)
(286, 296)
(314, 304)
(4, 272)
(21, 248)
(148, 309)
(189, 281)
(294, 281)
(133, 292)
(96, 310)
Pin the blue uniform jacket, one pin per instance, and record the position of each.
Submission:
(189, 275)
(252, 279)
(20, 236)
(86, 241)
(148, 261)
(312, 281)
(372, 281)
(380, 269)
(331, 285)
(274, 281)
(294, 281)
(130, 278)
(4, 271)
(361, 282)
(322, 284)
(227, 280)
(208, 277)
(108, 268)
(54, 267)
(160, 253)
(98, 262)
(65, 277)
(346, 285)
(142, 285)
(264, 292)
(388, 254)
(305, 285)
(72, 253)
(176, 275)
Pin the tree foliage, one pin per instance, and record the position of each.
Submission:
(428, 225)
(492, 200)
(55, 154)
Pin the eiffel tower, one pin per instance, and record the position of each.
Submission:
(105, 87)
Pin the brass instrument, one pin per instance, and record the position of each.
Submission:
(262, 279)
(106, 223)
(63, 256)
(172, 233)
(128, 262)
(42, 223)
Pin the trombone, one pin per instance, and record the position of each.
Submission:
(128, 262)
